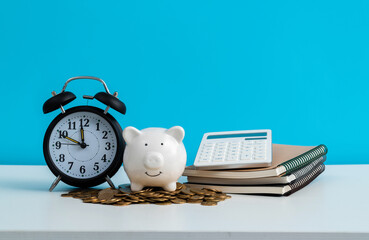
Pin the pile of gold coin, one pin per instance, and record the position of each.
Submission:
(123, 196)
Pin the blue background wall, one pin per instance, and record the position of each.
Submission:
(300, 68)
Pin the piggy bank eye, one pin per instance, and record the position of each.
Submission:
(162, 144)
(145, 144)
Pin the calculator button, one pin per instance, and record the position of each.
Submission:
(206, 153)
(204, 159)
(233, 148)
(208, 147)
(218, 159)
(247, 147)
(232, 155)
(245, 157)
(233, 158)
(246, 152)
(222, 149)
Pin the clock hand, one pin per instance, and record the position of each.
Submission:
(72, 144)
(72, 140)
(83, 145)
(82, 133)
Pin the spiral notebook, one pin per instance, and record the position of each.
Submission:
(286, 159)
(286, 179)
(282, 190)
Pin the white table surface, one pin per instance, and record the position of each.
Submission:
(334, 206)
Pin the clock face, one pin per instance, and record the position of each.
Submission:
(82, 145)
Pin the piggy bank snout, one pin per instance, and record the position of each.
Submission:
(153, 160)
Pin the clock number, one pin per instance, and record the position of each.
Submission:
(72, 125)
(71, 165)
(96, 166)
(104, 158)
(107, 146)
(97, 126)
(61, 158)
(63, 134)
(58, 145)
(87, 121)
(105, 135)
(82, 169)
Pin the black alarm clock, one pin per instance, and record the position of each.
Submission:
(83, 146)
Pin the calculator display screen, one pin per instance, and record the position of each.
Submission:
(247, 136)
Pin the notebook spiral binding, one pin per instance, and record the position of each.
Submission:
(306, 180)
(308, 168)
(305, 159)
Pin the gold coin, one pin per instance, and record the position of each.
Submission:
(208, 193)
(198, 191)
(107, 194)
(163, 203)
(163, 192)
(178, 201)
(214, 199)
(120, 195)
(220, 196)
(213, 190)
(209, 203)
(179, 186)
(197, 197)
(183, 196)
(194, 201)
(147, 194)
(66, 195)
(133, 197)
(187, 192)
(122, 203)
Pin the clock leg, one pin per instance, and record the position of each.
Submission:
(107, 178)
(56, 181)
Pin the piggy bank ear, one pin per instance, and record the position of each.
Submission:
(130, 133)
(177, 132)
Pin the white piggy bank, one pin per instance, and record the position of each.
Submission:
(154, 157)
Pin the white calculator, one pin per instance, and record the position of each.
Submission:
(236, 149)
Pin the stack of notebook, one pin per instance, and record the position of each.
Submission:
(293, 167)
